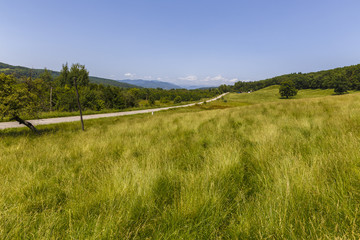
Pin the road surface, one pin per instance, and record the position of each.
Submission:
(4, 125)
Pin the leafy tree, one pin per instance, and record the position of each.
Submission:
(151, 100)
(130, 100)
(80, 73)
(224, 88)
(66, 99)
(16, 100)
(46, 77)
(340, 85)
(178, 99)
(77, 71)
(164, 100)
(287, 89)
(47, 80)
(63, 78)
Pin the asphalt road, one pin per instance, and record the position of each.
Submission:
(4, 125)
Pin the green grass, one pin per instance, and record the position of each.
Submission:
(271, 94)
(288, 169)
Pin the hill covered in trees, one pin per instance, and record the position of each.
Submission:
(24, 72)
(349, 77)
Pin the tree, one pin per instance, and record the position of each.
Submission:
(16, 100)
(80, 76)
(177, 99)
(80, 73)
(77, 76)
(66, 77)
(48, 80)
(340, 85)
(287, 89)
(224, 88)
(151, 100)
(63, 78)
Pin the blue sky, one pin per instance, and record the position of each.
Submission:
(189, 42)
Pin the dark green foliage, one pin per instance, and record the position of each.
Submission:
(177, 99)
(16, 98)
(151, 100)
(340, 85)
(77, 72)
(224, 88)
(164, 100)
(287, 89)
(46, 77)
(314, 80)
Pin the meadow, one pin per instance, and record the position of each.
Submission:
(250, 166)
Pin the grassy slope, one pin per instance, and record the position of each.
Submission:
(271, 94)
(286, 169)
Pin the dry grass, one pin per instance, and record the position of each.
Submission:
(281, 170)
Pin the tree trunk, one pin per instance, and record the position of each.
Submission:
(50, 99)
(26, 123)
(79, 105)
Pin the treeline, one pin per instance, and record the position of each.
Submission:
(348, 77)
(24, 72)
(48, 93)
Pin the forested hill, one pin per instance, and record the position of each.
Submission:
(19, 71)
(348, 76)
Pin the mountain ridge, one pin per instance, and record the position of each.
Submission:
(151, 84)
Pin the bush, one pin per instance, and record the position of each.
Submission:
(287, 89)
(164, 100)
(151, 100)
(178, 99)
(341, 85)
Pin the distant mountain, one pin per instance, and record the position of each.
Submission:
(19, 71)
(151, 84)
(189, 87)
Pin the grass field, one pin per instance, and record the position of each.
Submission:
(271, 94)
(274, 168)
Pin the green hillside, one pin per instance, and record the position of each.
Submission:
(273, 169)
(19, 71)
(348, 76)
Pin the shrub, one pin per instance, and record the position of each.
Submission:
(178, 99)
(287, 89)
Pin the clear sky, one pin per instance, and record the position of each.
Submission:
(203, 42)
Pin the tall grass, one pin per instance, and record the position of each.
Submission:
(281, 170)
